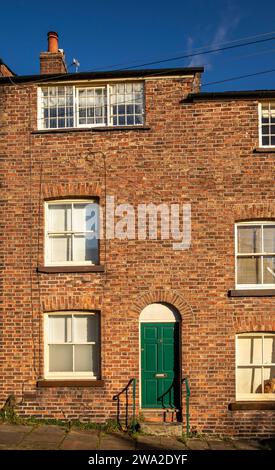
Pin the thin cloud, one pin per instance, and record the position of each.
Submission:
(220, 36)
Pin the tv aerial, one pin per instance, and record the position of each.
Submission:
(77, 64)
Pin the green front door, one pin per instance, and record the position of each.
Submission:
(160, 381)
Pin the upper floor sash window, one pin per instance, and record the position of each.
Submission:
(120, 104)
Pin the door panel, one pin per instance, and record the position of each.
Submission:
(160, 381)
(150, 356)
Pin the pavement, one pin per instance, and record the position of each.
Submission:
(52, 437)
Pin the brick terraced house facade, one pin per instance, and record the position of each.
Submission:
(80, 317)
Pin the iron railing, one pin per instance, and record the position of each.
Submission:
(187, 396)
(130, 422)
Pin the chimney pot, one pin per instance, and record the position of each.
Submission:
(52, 61)
(52, 41)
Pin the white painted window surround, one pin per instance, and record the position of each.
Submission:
(71, 345)
(71, 232)
(267, 124)
(255, 366)
(255, 255)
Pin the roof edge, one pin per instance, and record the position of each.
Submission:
(227, 95)
(105, 74)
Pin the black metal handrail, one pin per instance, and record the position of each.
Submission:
(187, 397)
(117, 399)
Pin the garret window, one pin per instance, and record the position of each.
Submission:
(267, 124)
(71, 233)
(255, 255)
(120, 104)
(255, 361)
(72, 345)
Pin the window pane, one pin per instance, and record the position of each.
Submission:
(60, 328)
(269, 380)
(82, 97)
(79, 248)
(85, 217)
(249, 380)
(69, 122)
(59, 217)
(265, 112)
(269, 350)
(85, 248)
(85, 328)
(85, 359)
(269, 269)
(249, 239)
(269, 239)
(60, 249)
(249, 270)
(60, 358)
(249, 350)
(138, 119)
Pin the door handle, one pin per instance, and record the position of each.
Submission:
(159, 376)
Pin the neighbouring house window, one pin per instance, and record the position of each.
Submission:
(72, 233)
(267, 124)
(72, 345)
(120, 104)
(255, 360)
(255, 254)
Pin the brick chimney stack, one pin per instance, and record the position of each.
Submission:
(52, 61)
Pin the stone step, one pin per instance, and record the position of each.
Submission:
(161, 429)
(160, 416)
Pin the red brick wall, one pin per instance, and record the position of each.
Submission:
(200, 153)
(51, 62)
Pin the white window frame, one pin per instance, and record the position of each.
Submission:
(251, 396)
(76, 109)
(260, 124)
(76, 113)
(48, 262)
(66, 375)
(40, 107)
(261, 255)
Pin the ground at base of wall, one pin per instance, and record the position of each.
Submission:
(52, 437)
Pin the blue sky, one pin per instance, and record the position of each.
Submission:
(102, 34)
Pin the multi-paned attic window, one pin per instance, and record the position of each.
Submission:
(267, 124)
(120, 104)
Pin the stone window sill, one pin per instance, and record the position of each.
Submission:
(69, 383)
(92, 129)
(251, 405)
(251, 293)
(71, 269)
(264, 150)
